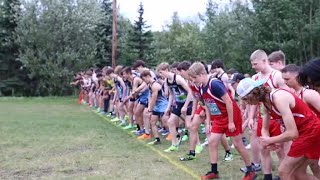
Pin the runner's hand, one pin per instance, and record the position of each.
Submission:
(231, 127)
(184, 110)
(251, 124)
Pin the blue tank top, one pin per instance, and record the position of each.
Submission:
(179, 93)
(162, 100)
(118, 87)
(128, 87)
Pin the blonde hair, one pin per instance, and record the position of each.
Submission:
(118, 70)
(259, 55)
(197, 68)
(163, 66)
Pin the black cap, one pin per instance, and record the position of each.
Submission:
(236, 77)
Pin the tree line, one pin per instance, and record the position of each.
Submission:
(43, 42)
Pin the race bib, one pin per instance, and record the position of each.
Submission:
(214, 109)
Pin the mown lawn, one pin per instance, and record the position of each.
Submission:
(55, 138)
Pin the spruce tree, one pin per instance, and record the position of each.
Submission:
(104, 35)
(141, 38)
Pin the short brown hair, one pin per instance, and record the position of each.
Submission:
(185, 65)
(145, 73)
(277, 56)
(196, 69)
(127, 70)
(138, 63)
(109, 71)
(217, 63)
(174, 65)
(163, 66)
(292, 68)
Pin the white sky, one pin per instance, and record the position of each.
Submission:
(159, 12)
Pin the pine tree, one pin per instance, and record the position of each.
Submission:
(141, 38)
(104, 35)
(13, 78)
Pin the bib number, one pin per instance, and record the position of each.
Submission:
(214, 109)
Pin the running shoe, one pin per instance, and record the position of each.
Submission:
(185, 138)
(249, 176)
(210, 175)
(154, 142)
(172, 148)
(188, 157)
(130, 126)
(165, 132)
(144, 137)
(228, 157)
(115, 119)
(255, 167)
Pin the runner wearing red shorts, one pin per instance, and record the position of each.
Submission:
(273, 79)
(301, 126)
(225, 116)
(197, 117)
(308, 96)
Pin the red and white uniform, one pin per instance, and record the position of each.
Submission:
(196, 91)
(308, 125)
(219, 114)
(300, 95)
(274, 127)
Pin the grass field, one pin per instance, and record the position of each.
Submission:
(55, 138)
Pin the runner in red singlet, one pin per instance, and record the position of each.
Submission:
(309, 96)
(224, 114)
(300, 123)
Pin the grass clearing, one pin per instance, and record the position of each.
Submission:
(55, 138)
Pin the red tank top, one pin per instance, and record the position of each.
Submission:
(216, 105)
(196, 90)
(269, 83)
(303, 116)
(300, 95)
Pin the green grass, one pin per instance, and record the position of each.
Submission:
(55, 138)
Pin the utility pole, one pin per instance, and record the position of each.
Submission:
(114, 34)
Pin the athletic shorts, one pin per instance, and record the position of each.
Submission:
(274, 128)
(176, 109)
(307, 147)
(220, 124)
(159, 114)
(145, 103)
(199, 110)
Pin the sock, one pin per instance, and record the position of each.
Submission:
(177, 129)
(214, 168)
(192, 152)
(267, 177)
(157, 139)
(138, 127)
(249, 169)
(228, 152)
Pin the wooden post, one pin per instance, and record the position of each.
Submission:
(114, 34)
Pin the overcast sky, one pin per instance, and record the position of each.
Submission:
(159, 12)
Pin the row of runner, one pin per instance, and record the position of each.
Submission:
(279, 105)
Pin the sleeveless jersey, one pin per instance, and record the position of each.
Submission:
(217, 107)
(269, 83)
(306, 121)
(300, 95)
(179, 93)
(197, 94)
(162, 101)
(118, 87)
